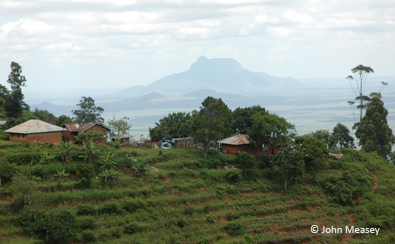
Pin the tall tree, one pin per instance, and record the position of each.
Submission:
(341, 137)
(212, 122)
(175, 125)
(270, 130)
(13, 106)
(289, 165)
(88, 112)
(243, 118)
(373, 132)
(360, 75)
(120, 126)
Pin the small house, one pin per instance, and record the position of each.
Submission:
(36, 130)
(241, 143)
(72, 130)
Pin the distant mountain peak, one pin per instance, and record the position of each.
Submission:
(203, 63)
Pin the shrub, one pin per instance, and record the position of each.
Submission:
(109, 208)
(181, 223)
(7, 171)
(86, 222)
(232, 176)
(56, 226)
(189, 211)
(210, 219)
(88, 236)
(231, 216)
(131, 228)
(235, 228)
(86, 209)
(131, 206)
(116, 232)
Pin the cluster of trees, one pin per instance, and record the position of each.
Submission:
(372, 130)
(17, 111)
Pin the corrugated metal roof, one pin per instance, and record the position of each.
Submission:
(2, 122)
(79, 127)
(34, 126)
(240, 139)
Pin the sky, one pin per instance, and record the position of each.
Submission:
(100, 44)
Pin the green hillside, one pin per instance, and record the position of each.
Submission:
(183, 198)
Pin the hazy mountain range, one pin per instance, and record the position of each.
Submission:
(220, 77)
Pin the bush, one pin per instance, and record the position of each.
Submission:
(86, 222)
(86, 209)
(189, 210)
(4, 136)
(7, 171)
(56, 226)
(131, 206)
(232, 176)
(88, 236)
(235, 228)
(109, 208)
(210, 219)
(131, 228)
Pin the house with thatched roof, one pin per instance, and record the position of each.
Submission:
(240, 143)
(36, 130)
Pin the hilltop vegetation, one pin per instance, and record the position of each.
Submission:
(182, 198)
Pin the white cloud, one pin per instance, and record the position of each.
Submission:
(295, 17)
(264, 19)
(26, 27)
(280, 31)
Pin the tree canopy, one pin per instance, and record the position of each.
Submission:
(119, 126)
(270, 130)
(341, 137)
(289, 165)
(175, 125)
(242, 118)
(212, 122)
(88, 112)
(373, 132)
(13, 106)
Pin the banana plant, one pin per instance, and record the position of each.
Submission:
(108, 175)
(36, 178)
(140, 168)
(117, 144)
(90, 149)
(65, 148)
(45, 158)
(108, 161)
(61, 174)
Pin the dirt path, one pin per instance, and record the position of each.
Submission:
(376, 180)
(351, 216)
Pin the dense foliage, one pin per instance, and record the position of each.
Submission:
(175, 125)
(373, 132)
(211, 123)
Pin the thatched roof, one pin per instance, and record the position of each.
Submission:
(240, 139)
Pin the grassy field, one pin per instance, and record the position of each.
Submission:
(183, 198)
